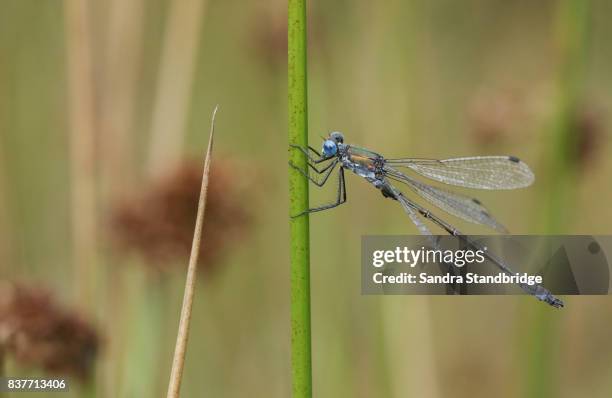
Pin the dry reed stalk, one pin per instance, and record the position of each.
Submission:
(122, 56)
(122, 61)
(6, 241)
(176, 73)
(406, 379)
(82, 130)
(180, 349)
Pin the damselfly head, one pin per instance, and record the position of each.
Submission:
(329, 148)
(337, 137)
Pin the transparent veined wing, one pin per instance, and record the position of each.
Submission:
(416, 219)
(461, 206)
(434, 241)
(481, 172)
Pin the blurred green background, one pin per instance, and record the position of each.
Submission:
(100, 99)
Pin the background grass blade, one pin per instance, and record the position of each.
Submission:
(298, 202)
(82, 147)
(180, 349)
(544, 337)
(571, 38)
(174, 84)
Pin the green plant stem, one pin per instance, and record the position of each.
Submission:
(543, 335)
(298, 202)
(572, 22)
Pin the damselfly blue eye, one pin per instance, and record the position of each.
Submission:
(329, 148)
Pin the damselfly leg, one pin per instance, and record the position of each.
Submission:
(341, 198)
(327, 170)
(305, 150)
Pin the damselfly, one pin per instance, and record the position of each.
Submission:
(480, 172)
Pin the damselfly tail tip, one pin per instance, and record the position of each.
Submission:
(552, 300)
(556, 303)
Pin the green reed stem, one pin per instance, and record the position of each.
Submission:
(543, 335)
(298, 202)
(571, 39)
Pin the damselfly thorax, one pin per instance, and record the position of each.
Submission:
(362, 162)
